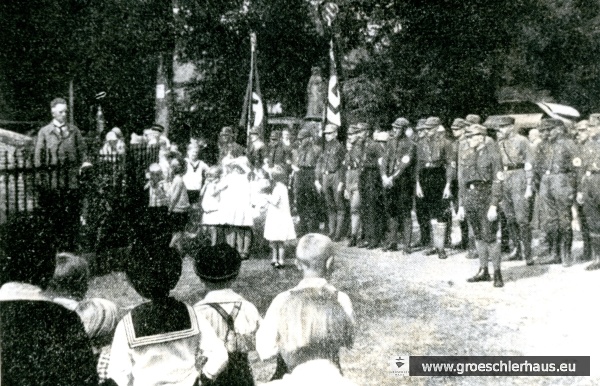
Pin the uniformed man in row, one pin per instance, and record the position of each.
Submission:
(480, 191)
(583, 131)
(256, 149)
(306, 196)
(517, 191)
(330, 181)
(278, 154)
(556, 172)
(371, 190)
(459, 146)
(435, 166)
(398, 177)
(352, 166)
(588, 194)
(227, 144)
(421, 209)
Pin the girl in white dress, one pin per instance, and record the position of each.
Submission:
(279, 226)
(211, 202)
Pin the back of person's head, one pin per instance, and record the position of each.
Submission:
(153, 269)
(27, 249)
(314, 254)
(313, 325)
(70, 275)
(218, 264)
(100, 318)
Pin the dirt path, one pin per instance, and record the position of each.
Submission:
(420, 305)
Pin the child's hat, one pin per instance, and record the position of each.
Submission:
(218, 263)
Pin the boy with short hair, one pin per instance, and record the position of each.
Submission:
(315, 258)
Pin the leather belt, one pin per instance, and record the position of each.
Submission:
(514, 167)
(327, 172)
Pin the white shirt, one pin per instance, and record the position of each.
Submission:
(246, 322)
(166, 363)
(266, 336)
(193, 174)
(318, 372)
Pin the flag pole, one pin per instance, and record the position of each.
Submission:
(250, 86)
(71, 104)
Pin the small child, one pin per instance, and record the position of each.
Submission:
(159, 342)
(69, 283)
(279, 225)
(234, 319)
(211, 202)
(100, 318)
(179, 203)
(156, 216)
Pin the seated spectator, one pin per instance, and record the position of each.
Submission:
(69, 283)
(314, 257)
(158, 341)
(234, 319)
(310, 345)
(42, 342)
(100, 318)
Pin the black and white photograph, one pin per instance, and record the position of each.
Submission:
(299, 192)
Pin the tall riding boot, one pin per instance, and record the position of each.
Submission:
(526, 243)
(439, 240)
(552, 258)
(339, 230)
(504, 234)
(406, 234)
(433, 229)
(566, 244)
(595, 245)
(496, 257)
(392, 242)
(331, 217)
(483, 273)
(513, 231)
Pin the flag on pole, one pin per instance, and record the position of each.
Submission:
(333, 94)
(334, 115)
(253, 111)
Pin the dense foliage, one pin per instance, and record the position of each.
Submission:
(413, 58)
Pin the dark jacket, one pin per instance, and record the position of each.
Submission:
(52, 147)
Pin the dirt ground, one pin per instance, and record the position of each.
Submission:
(420, 305)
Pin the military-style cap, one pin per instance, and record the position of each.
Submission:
(227, 130)
(400, 123)
(275, 135)
(217, 264)
(432, 122)
(330, 128)
(594, 119)
(475, 129)
(354, 129)
(421, 124)
(157, 127)
(253, 130)
(304, 133)
(473, 119)
(459, 124)
(551, 123)
(495, 121)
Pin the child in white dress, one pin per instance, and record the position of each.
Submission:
(279, 226)
(211, 202)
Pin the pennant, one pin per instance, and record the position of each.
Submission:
(334, 115)
(253, 111)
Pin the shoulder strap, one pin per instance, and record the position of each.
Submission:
(229, 318)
